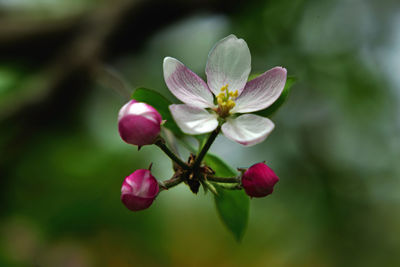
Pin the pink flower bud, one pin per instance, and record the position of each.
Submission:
(139, 190)
(259, 180)
(139, 123)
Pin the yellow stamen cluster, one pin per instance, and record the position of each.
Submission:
(225, 101)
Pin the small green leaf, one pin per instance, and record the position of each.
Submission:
(160, 103)
(282, 98)
(201, 139)
(219, 166)
(252, 76)
(233, 209)
(232, 205)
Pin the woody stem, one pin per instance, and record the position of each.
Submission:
(161, 144)
(206, 147)
(165, 185)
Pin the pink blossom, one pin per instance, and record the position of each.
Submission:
(139, 123)
(139, 190)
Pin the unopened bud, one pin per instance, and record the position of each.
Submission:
(139, 123)
(259, 180)
(139, 190)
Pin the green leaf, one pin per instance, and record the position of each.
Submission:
(233, 209)
(201, 139)
(160, 103)
(232, 205)
(219, 166)
(252, 76)
(282, 98)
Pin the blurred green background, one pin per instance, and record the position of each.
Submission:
(335, 146)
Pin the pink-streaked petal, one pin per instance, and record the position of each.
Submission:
(140, 109)
(261, 92)
(146, 111)
(141, 183)
(247, 129)
(229, 62)
(138, 130)
(186, 85)
(139, 123)
(193, 120)
(136, 203)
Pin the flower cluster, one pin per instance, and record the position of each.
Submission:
(224, 104)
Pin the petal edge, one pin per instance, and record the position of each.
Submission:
(193, 120)
(248, 129)
(229, 62)
(262, 91)
(185, 84)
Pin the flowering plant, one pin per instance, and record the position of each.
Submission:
(212, 107)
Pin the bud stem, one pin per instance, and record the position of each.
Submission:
(223, 179)
(206, 147)
(161, 144)
(165, 185)
(231, 186)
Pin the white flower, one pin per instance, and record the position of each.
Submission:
(227, 70)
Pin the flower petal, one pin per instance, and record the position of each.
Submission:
(229, 62)
(193, 120)
(186, 85)
(261, 92)
(248, 129)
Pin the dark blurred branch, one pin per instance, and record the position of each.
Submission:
(68, 48)
(81, 54)
(61, 59)
(16, 30)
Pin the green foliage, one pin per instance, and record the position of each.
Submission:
(219, 166)
(8, 79)
(279, 102)
(201, 139)
(252, 76)
(233, 209)
(232, 205)
(160, 103)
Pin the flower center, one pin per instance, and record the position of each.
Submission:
(225, 101)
